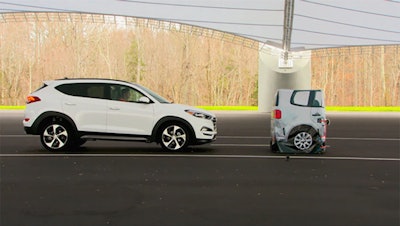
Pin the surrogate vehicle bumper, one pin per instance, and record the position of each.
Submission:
(285, 144)
(285, 147)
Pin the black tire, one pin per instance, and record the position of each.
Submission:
(273, 147)
(79, 142)
(174, 136)
(303, 139)
(57, 135)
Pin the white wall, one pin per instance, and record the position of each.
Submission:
(272, 77)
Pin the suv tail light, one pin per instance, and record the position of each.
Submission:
(277, 114)
(32, 99)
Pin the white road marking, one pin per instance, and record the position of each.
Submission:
(328, 138)
(201, 156)
(362, 138)
(258, 137)
(214, 156)
(19, 136)
(240, 145)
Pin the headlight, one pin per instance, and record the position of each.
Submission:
(198, 114)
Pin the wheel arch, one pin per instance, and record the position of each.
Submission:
(301, 127)
(51, 115)
(170, 119)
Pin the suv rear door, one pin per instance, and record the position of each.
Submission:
(86, 104)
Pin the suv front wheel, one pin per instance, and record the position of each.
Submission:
(174, 137)
(56, 136)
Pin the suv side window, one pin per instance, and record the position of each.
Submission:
(92, 90)
(124, 93)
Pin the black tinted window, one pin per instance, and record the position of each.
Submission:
(307, 98)
(43, 86)
(124, 93)
(277, 99)
(93, 90)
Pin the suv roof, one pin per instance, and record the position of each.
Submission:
(67, 80)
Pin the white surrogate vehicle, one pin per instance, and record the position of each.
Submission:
(68, 112)
(298, 122)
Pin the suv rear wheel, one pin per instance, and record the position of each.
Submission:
(56, 136)
(174, 137)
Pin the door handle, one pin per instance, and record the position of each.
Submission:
(69, 104)
(316, 114)
(114, 108)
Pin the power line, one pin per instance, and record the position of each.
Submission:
(201, 6)
(346, 24)
(257, 38)
(35, 7)
(347, 36)
(349, 9)
(219, 22)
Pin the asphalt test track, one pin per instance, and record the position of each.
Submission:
(233, 181)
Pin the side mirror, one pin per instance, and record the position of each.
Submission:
(144, 100)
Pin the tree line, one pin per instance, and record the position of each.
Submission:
(185, 68)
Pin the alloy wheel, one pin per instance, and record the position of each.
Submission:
(303, 141)
(174, 137)
(55, 136)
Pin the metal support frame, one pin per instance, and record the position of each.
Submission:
(279, 68)
(287, 27)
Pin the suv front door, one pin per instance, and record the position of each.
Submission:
(126, 114)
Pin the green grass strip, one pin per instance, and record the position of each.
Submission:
(329, 108)
(229, 108)
(366, 109)
(3, 107)
(255, 108)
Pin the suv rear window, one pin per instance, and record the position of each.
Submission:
(93, 90)
(43, 86)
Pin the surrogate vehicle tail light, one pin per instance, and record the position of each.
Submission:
(277, 114)
(32, 99)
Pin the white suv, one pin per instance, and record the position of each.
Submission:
(298, 122)
(68, 112)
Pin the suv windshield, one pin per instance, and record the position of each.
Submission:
(154, 95)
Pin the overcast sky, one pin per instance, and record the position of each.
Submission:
(317, 24)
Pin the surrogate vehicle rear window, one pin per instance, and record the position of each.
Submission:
(307, 98)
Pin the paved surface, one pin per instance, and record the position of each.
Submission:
(234, 181)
